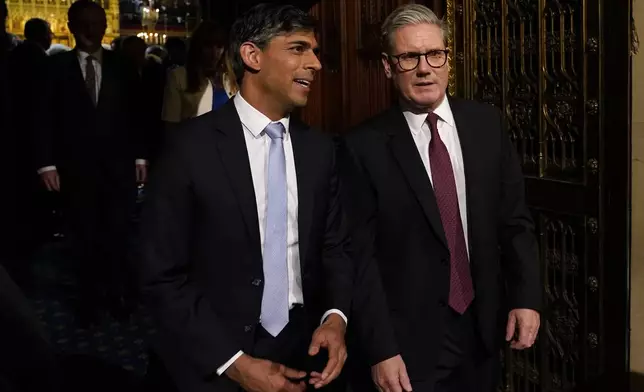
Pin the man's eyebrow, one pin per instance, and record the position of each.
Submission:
(305, 44)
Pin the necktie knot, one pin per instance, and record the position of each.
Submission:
(275, 130)
(432, 119)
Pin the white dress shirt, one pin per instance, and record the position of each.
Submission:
(420, 131)
(257, 144)
(98, 71)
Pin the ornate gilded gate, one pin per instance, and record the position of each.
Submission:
(562, 80)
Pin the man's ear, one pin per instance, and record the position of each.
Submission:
(387, 65)
(251, 56)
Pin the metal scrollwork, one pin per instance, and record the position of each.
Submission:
(593, 225)
(593, 284)
(451, 22)
(592, 45)
(592, 107)
(593, 165)
(593, 340)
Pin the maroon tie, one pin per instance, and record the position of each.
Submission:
(461, 290)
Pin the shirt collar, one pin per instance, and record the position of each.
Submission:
(416, 120)
(98, 55)
(255, 120)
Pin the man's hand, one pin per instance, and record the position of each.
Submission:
(141, 173)
(390, 375)
(528, 321)
(329, 335)
(51, 180)
(259, 375)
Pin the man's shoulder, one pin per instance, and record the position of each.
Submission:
(62, 57)
(471, 107)
(375, 127)
(196, 128)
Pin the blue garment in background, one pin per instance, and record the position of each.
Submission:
(219, 97)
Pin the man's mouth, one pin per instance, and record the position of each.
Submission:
(423, 84)
(303, 82)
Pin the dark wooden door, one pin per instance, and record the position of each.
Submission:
(560, 72)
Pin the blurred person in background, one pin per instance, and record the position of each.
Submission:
(27, 66)
(205, 82)
(89, 146)
(176, 48)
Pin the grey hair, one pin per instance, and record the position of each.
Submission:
(406, 15)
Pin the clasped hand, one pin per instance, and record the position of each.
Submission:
(259, 375)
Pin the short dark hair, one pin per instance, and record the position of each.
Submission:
(261, 24)
(79, 6)
(36, 29)
(4, 12)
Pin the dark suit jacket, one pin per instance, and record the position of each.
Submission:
(78, 137)
(404, 274)
(201, 267)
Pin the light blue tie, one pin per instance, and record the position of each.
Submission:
(274, 315)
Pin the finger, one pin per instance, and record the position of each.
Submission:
(509, 331)
(334, 361)
(334, 373)
(291, 373)
(405, 382)
(289, 386)
(393, 385)
(525, 334)
(57, 182)
(316, 342)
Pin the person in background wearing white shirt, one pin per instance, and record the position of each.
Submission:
(243, 241)
(88, 145)
(435, 196)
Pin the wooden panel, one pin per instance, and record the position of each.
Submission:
(352, 86)
(542, 63)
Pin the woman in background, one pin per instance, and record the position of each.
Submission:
(206, 81)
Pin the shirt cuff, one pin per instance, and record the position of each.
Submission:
(46, 169)
(334, 311)
(141, 162)
(226, 365)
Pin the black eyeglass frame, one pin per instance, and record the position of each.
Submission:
(418, 56)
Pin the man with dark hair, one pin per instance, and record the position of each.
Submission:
(243, 238)
(39, 32)
(89, 147)
(28, 69)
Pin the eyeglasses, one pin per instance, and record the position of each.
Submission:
(409, 61)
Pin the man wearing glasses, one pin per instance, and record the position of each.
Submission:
(435, 193)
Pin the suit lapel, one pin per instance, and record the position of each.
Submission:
(466, 128)
(107, 82)
(304, 156)
(405, 152)
(234, 155)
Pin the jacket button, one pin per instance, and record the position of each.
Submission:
(442, 304)
(445, 261)
(257, 282)
(248, 328)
